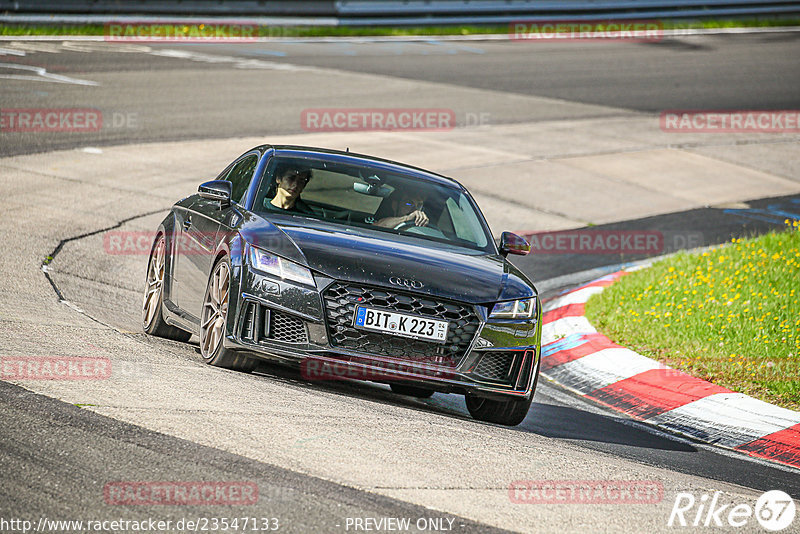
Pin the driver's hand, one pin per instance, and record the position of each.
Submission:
(419, 218)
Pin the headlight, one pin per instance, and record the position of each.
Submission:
(514, 309)
(280, 267)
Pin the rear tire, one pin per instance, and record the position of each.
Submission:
(152, 318)
(510, 413)
(213, 319)
(412, 391)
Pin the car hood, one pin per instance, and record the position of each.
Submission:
(373, 259)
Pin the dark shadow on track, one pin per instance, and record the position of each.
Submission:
(363, 390)
(608, 434)
(547, 420)
(565, 422)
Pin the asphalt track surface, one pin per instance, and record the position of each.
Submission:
(64, 481)
(170, 100)
(47, 471)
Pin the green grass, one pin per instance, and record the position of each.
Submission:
(371, 31)
(730, 315)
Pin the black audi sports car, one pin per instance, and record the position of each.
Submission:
(349, 266)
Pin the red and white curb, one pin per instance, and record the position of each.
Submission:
(576, 356)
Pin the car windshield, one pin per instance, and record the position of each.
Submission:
(371, 198)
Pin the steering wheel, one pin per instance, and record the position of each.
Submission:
(408, 225)
(405, 225)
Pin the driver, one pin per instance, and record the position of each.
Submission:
(407, 207)
(290, 182)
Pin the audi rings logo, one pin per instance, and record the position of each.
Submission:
(412, 284)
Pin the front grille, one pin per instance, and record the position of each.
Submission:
(260, 323)
(495, 365)
(341, 300)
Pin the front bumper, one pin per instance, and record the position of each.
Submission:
(297, 325)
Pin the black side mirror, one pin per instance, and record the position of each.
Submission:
(513, 244)
(216, 190)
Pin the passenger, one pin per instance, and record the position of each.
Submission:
(407, 208)
(290, 182)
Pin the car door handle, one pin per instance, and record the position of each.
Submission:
(187, 223)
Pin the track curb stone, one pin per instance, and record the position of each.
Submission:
(576, 356)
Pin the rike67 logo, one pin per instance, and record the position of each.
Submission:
(774, 511)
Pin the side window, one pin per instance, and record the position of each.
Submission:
(240, 176)
(465, 222)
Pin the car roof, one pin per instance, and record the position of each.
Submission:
(354, 158)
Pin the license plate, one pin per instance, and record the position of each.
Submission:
(401, 324)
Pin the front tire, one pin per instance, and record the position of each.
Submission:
(214, 318)
(509, 412)
(152, 318)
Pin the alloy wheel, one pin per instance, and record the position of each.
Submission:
(215, 310)
(155, 284)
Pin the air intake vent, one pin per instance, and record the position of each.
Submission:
(286, 328)
(249, 322)
(260, 323)
(495, 365)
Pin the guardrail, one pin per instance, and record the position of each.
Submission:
(405, 12)
(427, 7)
(297, 8)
